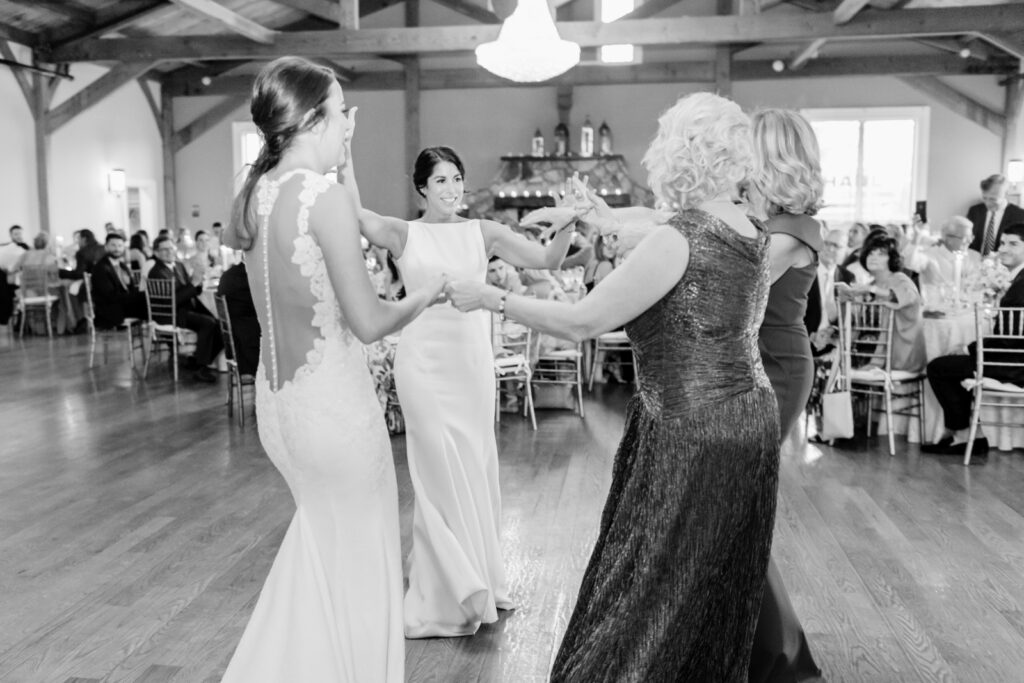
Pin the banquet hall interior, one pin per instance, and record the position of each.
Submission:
(139, 513)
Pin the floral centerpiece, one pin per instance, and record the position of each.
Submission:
(991, 280)
(380, 357)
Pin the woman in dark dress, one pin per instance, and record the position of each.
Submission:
(787, 186)
(672, 589)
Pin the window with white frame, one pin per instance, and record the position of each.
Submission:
(246, 145)
(874, 161)
(609, 11)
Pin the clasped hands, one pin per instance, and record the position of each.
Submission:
(465, 295)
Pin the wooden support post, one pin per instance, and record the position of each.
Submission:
(1013, 136)
(348, 15)
(40, 90)
(957, 102)
(170, 177)
(723, 54)
(412, 99)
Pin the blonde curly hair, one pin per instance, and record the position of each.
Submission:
(787, 166)
(702, 148)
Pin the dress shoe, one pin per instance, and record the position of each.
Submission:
(980, 449)
(940, 447)
(205, 375)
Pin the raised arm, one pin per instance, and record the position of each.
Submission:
(334, 224)
(515, 249)
(653, 269)
(380, 231)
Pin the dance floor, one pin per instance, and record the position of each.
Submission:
(137, 524)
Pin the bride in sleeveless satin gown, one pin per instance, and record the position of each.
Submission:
(444, 373)
(330, 610)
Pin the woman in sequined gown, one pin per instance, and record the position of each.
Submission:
(672, 589)
(787, 187)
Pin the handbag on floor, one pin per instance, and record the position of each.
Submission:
(836, 408)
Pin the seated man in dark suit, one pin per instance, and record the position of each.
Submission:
(993, 215)
(115, 296)
(245, 326)
(947, 372)
(191, 313)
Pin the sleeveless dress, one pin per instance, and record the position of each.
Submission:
(673, 586)
(444, 374)
(330, 610)
(780, 652)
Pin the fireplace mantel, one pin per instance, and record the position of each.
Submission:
(524, 183)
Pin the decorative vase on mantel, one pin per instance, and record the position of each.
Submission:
(561, 140)
(604, 139)
(537, 144)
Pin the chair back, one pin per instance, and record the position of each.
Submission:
(36, 281)
(512, 346)
(89, 312)
(866, 335)
(1000, 335)
(160, 301)
(224, 320)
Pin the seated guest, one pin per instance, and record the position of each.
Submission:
(896, 291)
(89, 254)
(139, 251)
(501, 274)
(830, 273)
(202, 261)
(245, 326)
(601, 263)
(191, 313)
(115, 296)
(946, 373)
(937, 263)
(993, 215)
(39, 257)
(855, 240)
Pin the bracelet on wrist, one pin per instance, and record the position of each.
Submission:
(501, 306)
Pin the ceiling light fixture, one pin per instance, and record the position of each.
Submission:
(528, 48)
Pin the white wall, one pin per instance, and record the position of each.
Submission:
(119, 132)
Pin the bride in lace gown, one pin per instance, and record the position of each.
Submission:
(331, 608)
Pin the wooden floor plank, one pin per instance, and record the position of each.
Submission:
(138, 523)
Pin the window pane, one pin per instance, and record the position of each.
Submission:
(888, 170)
(838, 142)
(617, 54)
(252, 143)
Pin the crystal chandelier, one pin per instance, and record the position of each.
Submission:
(528, 48)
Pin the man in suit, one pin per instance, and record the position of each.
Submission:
(191, 313)
(992, 215)
(115, 296)
(947, 372)
(245, 326)
(822, 310)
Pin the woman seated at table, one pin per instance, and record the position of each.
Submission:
(139, 252)
(39, 257)
(895, 290)
(202, 262)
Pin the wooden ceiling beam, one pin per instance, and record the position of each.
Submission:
(94, 93)
(234, 22)
(1005, 41)
(331, 10)
(675, 72)
(471, 10)
(847, 10)
(19, 75)
(68, 9)
(958, 102)
(17, 35)
(117, 17)
(206, 121)
(649, 9)
(661, 31)
(807, 54)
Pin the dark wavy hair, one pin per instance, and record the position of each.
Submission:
(427, 160)
(283, 95)
(886, 244)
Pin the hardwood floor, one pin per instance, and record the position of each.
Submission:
(137, 524)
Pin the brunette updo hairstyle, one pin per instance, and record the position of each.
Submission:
(427, 160)
(289, 97)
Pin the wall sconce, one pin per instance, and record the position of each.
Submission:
(117, 181)
(1015, 171)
